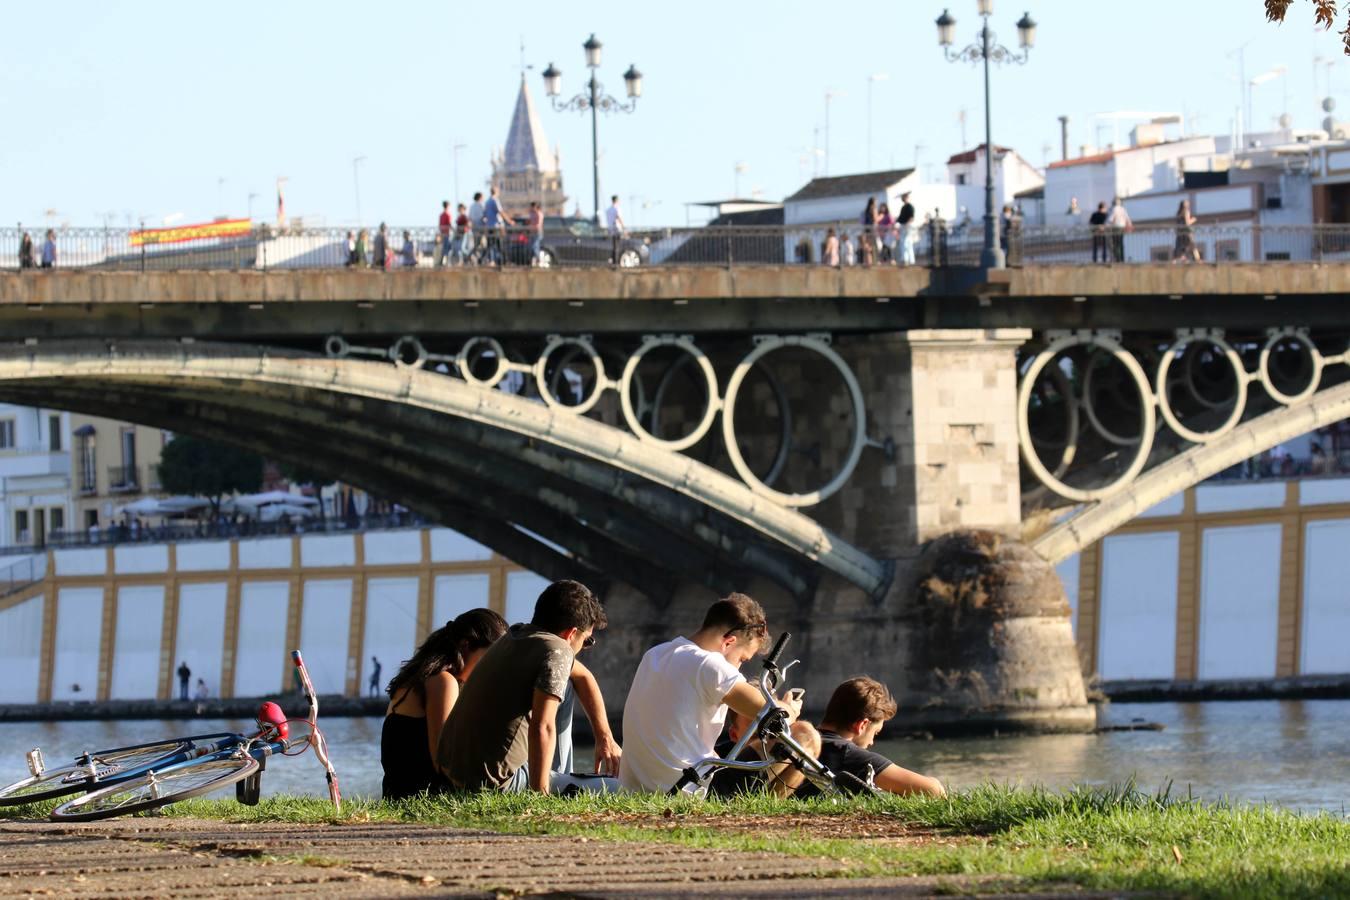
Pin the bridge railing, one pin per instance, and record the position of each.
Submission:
(936, 245)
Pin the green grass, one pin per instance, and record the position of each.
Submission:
(1113, 839)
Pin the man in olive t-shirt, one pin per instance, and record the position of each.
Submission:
(502, 732)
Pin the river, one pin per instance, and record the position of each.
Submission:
(1292, 753)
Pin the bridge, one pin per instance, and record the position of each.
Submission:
(889, 458)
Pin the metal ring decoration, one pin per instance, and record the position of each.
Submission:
(1069, 448)
(1093, 419)
(1147, 432)
(1165, 404)
(1314, 357)
(859, 440)
(464, 362)
(709, 380)
(541, 365)
(336, 346)
(1192, 373)
(396, 352)
(780, 397)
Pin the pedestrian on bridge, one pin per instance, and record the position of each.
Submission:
(184, 677)
(1097, 221)
(26, 251)
(1185, 248)
(909, 232)
(848, 252)
(829, 248)
(49, 250)
(382, 251)
(495, 220)
(617, 229)
(408, 251)
(443, 234)
(463, 247)
(1118, 222)
(359, 257)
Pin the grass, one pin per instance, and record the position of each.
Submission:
(1109, 839)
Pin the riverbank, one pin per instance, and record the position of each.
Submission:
(988, 840)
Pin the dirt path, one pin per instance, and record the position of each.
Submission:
(183, 858)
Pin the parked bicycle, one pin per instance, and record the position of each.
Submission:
(772, 728)
(130, 779)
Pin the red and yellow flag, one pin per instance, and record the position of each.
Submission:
(178, 234)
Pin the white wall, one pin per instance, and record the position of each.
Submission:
(200, 638)
(21, 651)
(522, 589)
(1239, 602)
(1138, 607)
(265, 553)
(136, 642)
(325, 623)
(391, 627)
(79, 622)
(1326, 598)
(262, 655)
(455, 594)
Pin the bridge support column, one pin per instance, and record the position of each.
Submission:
(974, 632)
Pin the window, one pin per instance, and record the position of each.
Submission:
(85, 454)
(1277, 256)
(90, 518)
(6, 434)
(56, 518)
(129, 448)
(961, 179)
(21, 526)
(54, 433)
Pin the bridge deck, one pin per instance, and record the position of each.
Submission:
(300, 303)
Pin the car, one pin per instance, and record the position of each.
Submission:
(576, 241)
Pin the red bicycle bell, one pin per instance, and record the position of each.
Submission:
(271, 716)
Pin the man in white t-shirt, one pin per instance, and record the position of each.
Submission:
(680, 694)
(614, 224)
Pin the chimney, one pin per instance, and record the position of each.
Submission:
(1063, 137)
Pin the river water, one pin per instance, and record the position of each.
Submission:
(1292, 753)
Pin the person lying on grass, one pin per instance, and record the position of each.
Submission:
(857, 710)
(781, 779)
(503, 732)
(678, 701)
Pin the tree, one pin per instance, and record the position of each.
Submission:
(199, 468)
(1324, 12)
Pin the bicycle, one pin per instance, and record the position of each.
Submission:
(146, 776)
(772, 728)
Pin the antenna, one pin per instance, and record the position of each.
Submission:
(961, 118)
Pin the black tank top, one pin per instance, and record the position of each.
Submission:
(407, 763)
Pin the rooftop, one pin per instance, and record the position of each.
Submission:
(848, 185)
(970, 156)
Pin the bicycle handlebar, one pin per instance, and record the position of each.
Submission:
(771, 662)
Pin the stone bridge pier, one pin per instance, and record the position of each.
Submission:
(972, 631)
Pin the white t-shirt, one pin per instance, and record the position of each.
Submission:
(612, 219)
(674, 713)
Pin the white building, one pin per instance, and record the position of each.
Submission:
(840, 201)
(1014, 177)
(35, 495)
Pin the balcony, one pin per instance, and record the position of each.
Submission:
(123, 480)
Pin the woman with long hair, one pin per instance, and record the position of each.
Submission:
(421, 696)
(1185, 248)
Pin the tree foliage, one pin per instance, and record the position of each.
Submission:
(199, 468)
(1324, 12)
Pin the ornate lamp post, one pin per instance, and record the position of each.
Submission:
(986, 49)
(597, 101)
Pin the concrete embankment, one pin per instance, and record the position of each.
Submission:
(1302, 687)
(213, 708)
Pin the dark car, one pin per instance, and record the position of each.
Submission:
(575, 241)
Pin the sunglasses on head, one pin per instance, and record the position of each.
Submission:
(588, 643)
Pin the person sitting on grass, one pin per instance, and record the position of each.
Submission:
(854, 716)
(503, 732)
(781, 779)
(421, 697)
(680, 695)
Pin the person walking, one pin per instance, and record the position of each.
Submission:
(375, 668)
(184, 678)
(359, 257)
(829, 249)
(535, 224)
(908, 231)
(1097, 222)
(351, 248)
(49, 250)
(848, 252)
(886, 233)
(1185, 247)
(615, 226)
(383, 253)
(408, 251)
(495, 220)
(477, 221)
(26, 251)
(462, 248)
(442, 235)
(869, 220)
(1117, 223)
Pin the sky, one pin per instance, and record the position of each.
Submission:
(167, 112)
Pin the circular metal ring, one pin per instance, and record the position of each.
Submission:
(859, 440)
(396, 352)
(1147, 433)
(709, 380)
(541, 365)
(464, 362)
(1192, 374)
(1093, 419)
(1314, 356)
(1070, 446)
(1165, 404)
(336, 346)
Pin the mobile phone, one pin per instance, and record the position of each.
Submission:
(796, 694)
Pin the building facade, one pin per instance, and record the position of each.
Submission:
(111, 464)
(35, 474)
(526, 169)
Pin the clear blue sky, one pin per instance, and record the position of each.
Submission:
(139, 109)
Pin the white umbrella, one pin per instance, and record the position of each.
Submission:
(274, 511)
(268, 497)
(146, 506)
(182, 504)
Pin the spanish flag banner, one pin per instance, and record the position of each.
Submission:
(221, 229)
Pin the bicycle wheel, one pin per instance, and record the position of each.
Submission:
(71, 779)
(154, 789)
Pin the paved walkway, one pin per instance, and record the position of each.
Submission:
(183, 858)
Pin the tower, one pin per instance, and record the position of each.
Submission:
(526, 169)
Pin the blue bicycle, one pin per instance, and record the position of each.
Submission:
(146, 776)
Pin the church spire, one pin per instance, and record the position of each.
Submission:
(526, 147)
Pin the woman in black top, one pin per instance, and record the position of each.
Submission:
(421, 697)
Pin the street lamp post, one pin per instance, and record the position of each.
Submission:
(986, 50)
(596, 101)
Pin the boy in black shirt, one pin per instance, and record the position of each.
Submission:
(856, 711)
